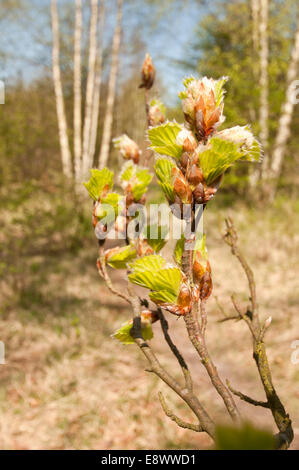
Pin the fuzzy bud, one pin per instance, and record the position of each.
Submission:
(156, 112)
(187, 140)
(148, 73)
(127, 147)
(202, 105)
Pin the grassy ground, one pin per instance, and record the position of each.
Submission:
(66, 384)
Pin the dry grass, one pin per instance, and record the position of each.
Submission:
(67, 385)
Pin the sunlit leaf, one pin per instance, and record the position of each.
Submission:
(219, 91)
(138, 178)
(249, 147)
(119, 257)
(163, 139)
(155, 236)
(123, 333)
(152, 272)
(99, 181)
(220, 155)
(179, 249)
(109, 207)
(163, 169)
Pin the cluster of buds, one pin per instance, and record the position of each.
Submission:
(201, 272)
(128, 148)
(148, 73)
(156, 112)
(202, 104)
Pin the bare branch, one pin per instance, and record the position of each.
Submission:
(103, 272)
(180, 422)
(176, 352)
(246, 398)
(198, 342)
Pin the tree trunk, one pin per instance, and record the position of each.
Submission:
(105, 145)
(77, 91)
(284, 125)
(255, 6)
(61, 117)
(254, 173)
(264, 81)
(97, 86)
(90, 86)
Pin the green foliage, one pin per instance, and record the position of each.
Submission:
(123, 333)
(223, 45)
(152, 272)
(99, 181)
(159, 104)
(119, 259)
(156, 236)
(164, 170)
(219, 91)
(216, 159)
(163, 139)
(200, 245)
(245, 438)
(138, 177)
(179, 249)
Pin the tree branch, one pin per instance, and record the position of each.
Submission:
(176, 352)
(281, 417)
(246, 398)
(180, 422)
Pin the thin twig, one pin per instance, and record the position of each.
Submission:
(176, 352)
(246, 398)
(104, 273)
(180, 422)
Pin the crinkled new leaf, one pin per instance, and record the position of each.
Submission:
(155, 236)
(220, 155)
(110, 207)
(163, 169)
(99, 181)
(139, 178)
(123, 333)
(152, 272)
(163, 139)
(198, 246)
(119, 259)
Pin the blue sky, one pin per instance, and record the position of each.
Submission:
(167, 37)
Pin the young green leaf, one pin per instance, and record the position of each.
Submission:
(219, 91)
(164, 170)
(118, 258)
(219, 156)
(163, 139)
(179, 249)
(109, 207)
(152, 272)
(123, 333)
(155, 236)
(100, 181)
(242, 136)
(138, 179)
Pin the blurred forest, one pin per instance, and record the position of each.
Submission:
(51, 297)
